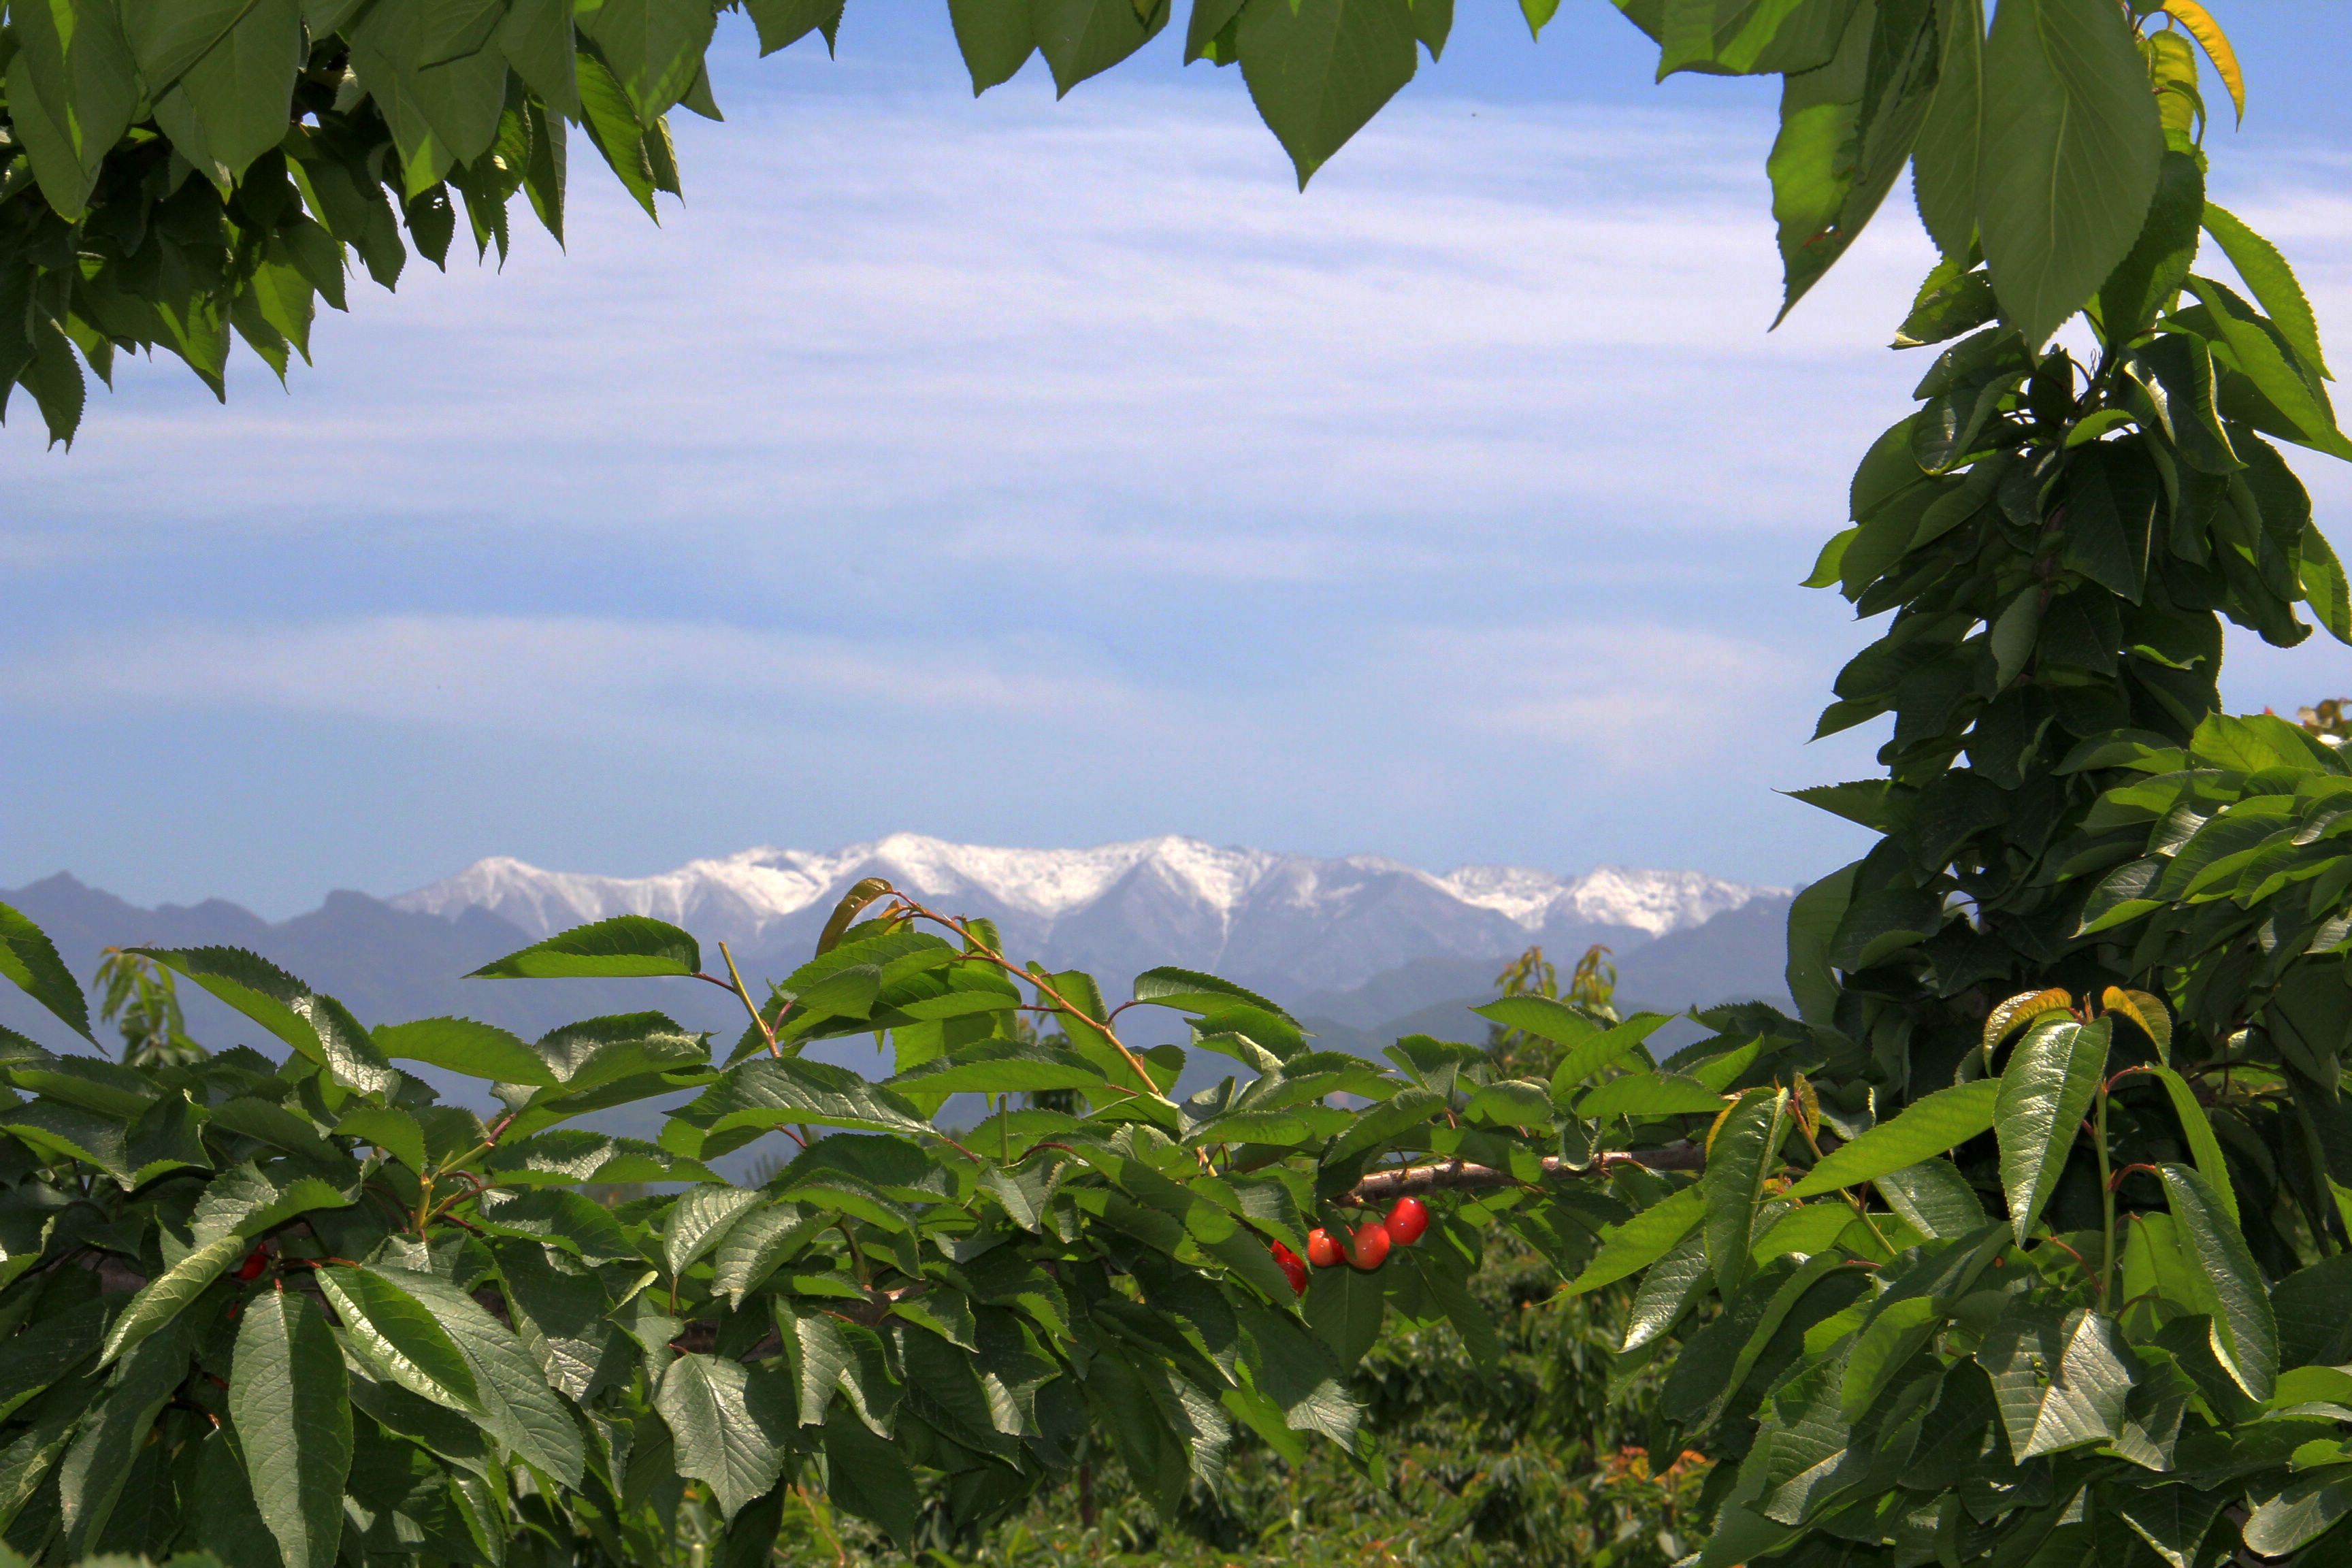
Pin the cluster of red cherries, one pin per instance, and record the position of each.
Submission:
(1364, 1250)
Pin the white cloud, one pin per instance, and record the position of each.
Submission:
(1079, 325)
(572, 676)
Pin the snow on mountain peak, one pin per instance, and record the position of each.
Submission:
(742, 895)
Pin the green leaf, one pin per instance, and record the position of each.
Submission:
(1319, 69)
(2323, 586)
(89, 1479)
(782, 23)
(1193, 992)
(397, 1337)
(1846, 130)
(1002, 1067)
(291, 1400)
(625, 946)
(462, 1046)
(2196, 1127)
(1885, 1344)
(2307, 1508)
(1742, 1154)
(2244, 1333)
(2068, 160)
(1590, 1057)
(2267, 273)
(1081, 38)
(314, 1024)
(1672, 1284)
(390, 1129)
(2173, 1519)
(869, 1477)
(2262, 356)
(243, 1201)
(234, 102)
(30, 959)
(2060, 1382)
(1513, 1102)
(1346, 1305)
(1934, 1199)
(1927, 1127)
(654, 49)
(162, 1298)
(1943, 160)
(522, 1413)
(699, 1222)
(729, 1426)
(2151, 275)
(780, 1092)
(1651, 1094)
(1633, 1245)
(72, 89)
(2051, 1079)
(1814, 920)
(570, 1222)
(170, 36)
(757, 1243)
(1541, 1017)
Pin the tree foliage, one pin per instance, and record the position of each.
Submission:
(327, 1312)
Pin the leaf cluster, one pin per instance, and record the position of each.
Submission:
(329, 1312)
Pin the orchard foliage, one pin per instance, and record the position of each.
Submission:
(292, 1312)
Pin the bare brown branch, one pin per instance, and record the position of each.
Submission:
(1459, 1175)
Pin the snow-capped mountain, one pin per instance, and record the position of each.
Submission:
(1290, 920)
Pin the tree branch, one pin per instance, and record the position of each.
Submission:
(1458, 1175)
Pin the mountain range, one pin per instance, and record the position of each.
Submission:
(1355, 944)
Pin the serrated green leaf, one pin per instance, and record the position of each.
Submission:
(521, 1412)
(462, 1046)
(699, 1222)
(2060, 1381)
(1633, 1245)
(291, 1400)
(730, 1424)
(2229, 1284)
(623, 947)
(30, 958)
(2068, 161)
(1927, 1127)
(314, 1024)
(1742, 1154)
(1674, 1283)
(1934, 1199)
(2038, 1112)
(396, 1336)
(164, 1297)
(1650, 1094)
(780, 1091)
(1587, 1059)
(1319, 69)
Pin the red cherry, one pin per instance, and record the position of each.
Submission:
(1408, 1222)
(1294, 1268)
(255, 1262)
(1369, 1248)
(1323, 1249)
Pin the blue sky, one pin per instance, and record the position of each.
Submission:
(1033, 473)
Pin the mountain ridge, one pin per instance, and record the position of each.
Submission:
(1255, 914)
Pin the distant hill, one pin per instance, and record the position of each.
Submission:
(1736, 957)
